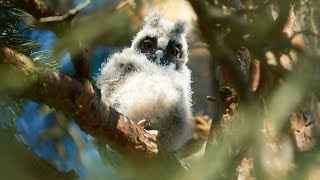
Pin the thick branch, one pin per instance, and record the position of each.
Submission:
(81, 63)
(227, 54)
(78, 99)
(210, 22)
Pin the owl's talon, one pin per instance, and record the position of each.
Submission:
(143, 124)
(154, 133)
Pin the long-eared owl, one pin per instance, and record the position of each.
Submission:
(150, 81)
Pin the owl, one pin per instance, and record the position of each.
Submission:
(149, 81)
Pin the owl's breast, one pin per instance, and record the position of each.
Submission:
(146, 96)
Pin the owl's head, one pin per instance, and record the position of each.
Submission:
(162, 41)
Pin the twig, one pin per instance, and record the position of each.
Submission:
(253, 10)
(71, 13)
(211, 98)
(59, 23)
(78, 55)
(281, 21)
(236, 4)
(305, 32)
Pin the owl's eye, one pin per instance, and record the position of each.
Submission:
(147, 45)
(174, 51)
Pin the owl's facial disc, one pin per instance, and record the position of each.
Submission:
(171, 53)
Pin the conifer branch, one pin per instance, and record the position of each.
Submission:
(78, 100)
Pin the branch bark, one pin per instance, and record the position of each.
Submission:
(79, 100)
(230, 62)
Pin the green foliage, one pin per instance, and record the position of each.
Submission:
(13, 34)
(13, 30)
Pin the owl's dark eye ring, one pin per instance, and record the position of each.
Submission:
(147, 45)
(174, 51)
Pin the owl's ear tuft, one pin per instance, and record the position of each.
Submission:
(180, 27)
(153, 18)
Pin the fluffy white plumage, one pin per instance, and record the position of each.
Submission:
(141, 87)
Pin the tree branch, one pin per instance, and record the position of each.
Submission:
(224, 49)
(79, 100)
(80, 62)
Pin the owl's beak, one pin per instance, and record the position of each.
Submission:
(158, 56)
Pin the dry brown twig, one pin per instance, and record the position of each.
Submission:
(71, 13)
